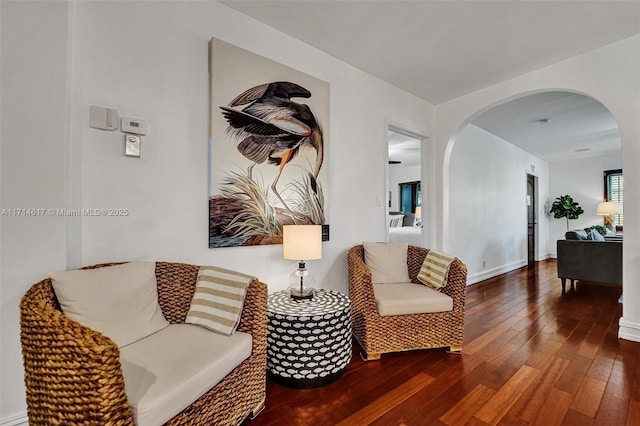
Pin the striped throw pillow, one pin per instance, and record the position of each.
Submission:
(435, 269)
(217, 302)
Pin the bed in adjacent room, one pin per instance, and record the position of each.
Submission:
(403, 228)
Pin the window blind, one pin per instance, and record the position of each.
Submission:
(614, 191)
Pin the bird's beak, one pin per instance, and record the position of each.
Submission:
(317, 142)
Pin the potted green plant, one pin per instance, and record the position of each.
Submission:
(564, 206)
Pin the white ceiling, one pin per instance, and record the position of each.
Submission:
(403, 148)
(554, 126)
(439, 50)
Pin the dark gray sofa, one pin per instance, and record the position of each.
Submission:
(588, 260)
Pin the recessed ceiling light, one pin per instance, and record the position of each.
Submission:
(583, 150)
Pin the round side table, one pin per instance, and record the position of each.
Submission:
(308, 341)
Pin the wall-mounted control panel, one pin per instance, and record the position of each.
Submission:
(133, 125)
(133, 128)
(132, 145)
(103, 118)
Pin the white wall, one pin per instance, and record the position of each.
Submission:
(583, 180)
(487, 209)
(610, 75)
(399, 174)
(167, 188)
(33, 167)
(149, 60)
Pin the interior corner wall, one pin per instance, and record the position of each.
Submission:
(33, 127)
(582, 179)
(149, 60)
(608, 74)
(488, 186)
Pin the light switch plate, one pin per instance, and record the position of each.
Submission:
(132, 145)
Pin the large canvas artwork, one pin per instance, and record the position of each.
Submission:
(267, 150)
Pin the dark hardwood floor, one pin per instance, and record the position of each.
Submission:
(531, 357)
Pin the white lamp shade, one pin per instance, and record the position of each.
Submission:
(302, 242)
(609, 207)
(419, 211)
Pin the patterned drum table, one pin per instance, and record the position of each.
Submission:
(308, 341)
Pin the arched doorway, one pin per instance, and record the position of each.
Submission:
(488, 165)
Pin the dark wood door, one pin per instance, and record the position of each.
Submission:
(531, 220)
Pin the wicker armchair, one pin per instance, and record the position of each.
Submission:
(73, 374)
(382, 334)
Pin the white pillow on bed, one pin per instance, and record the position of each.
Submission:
(395, 221)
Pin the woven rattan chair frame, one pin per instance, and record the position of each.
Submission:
(383, 334)
(73, 374)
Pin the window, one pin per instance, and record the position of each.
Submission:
(613, 191)
(410, 196)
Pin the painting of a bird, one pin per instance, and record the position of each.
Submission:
(272, 127)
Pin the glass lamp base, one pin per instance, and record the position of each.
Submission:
(301, 283)
(305, 294)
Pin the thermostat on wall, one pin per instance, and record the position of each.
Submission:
(103, 118)
(133, 125)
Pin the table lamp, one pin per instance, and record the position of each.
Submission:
(608, 209)
(301, 243)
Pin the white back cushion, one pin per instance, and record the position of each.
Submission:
(119, 301)
(387, 261)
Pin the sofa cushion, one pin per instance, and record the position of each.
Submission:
(119, 301)
(165, 372)
(595, 235)
(435, 269)
(218, 299)
(576, 234)
(387, 261)
(409, 298)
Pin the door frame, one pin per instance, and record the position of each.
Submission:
(427, 179)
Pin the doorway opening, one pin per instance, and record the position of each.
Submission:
(532, 220)
(404, 185)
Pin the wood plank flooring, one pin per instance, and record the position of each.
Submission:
(531, 357)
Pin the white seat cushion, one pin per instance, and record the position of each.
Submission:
(168, 370)
(409, 298)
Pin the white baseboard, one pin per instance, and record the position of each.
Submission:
(629, 330)
(544, 256)
(494, 272)
(15, 420)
